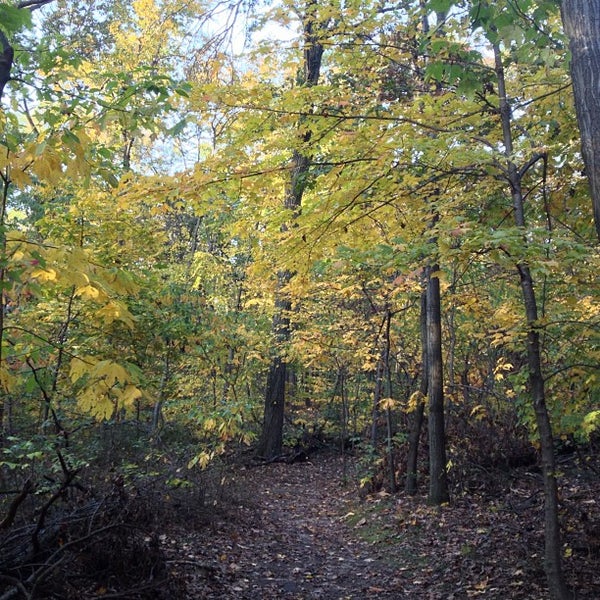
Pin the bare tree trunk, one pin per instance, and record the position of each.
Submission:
(438, 478)
(271, 442)
(416, 420)
(343, 419)
(553, 563)
(157, 414)
(388, 410)
(377, 395)
(581, 21)
(6, 61)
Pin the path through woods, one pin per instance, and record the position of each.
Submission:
(296, 532)
(289, 539)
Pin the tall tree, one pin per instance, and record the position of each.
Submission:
(438, 478)
(418, 411)
(514, 174)
(271, 440)
(581, 21)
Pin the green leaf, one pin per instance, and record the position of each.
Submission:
(435, 71)
(13, 19)
(440, 5)
(178, 127)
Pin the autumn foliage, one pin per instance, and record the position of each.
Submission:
(146, 152)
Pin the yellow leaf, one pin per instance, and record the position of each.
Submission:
(111, 372)
(7, 380)
(116, 311)
(80, 367)
(415, 399)
(95, 400)
(129, 395)
(387, 403)
(48, 274)
(202, 459)
(78, 279)
(478, 412)
(88, 291)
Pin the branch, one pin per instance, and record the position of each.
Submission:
(14, 505)
(340, 116)
(33, 4)
(537, 156)
(69, 476)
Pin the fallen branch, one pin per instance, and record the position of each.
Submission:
(14, 505)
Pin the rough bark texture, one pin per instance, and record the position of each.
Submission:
(552, 546)
(272, 438)
(6, 61)
(416, 418)
(270, 443)
(581, 21)
(438, 479)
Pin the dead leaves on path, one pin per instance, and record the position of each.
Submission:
(297, 533)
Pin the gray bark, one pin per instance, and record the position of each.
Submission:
(581, 22)
(416, 420)
(438, 477)
(552, 546)
(6, 61)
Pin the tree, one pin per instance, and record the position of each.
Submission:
(438, 482)
(553, 547)
(271, 440)
(581, 20)
(6, 60)
(417, 412)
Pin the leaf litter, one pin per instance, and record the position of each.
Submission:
(296, 531)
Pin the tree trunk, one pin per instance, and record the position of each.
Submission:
(552, 554)
(377, 396)
(416, 420)
(6, 61)
(270, 444)
(581, 21)
(438, 479)
(388, 395)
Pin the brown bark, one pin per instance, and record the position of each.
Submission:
(416, 420)
(271, 440)
(581, 22)
(438, 478)
(552, 553)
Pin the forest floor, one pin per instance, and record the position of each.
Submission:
(295, 531)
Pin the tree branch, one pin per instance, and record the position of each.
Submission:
(33, 4)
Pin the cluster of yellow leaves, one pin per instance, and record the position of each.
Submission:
(73, 267)
(107, 386)
(54, 156)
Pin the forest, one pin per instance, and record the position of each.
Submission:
(299, 299)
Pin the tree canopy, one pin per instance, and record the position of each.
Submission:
(180, 178)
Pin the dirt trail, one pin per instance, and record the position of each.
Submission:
(288, 539)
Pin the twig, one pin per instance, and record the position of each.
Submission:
(132, 592)
(14, 505)
(69, 477)
(13, 591)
